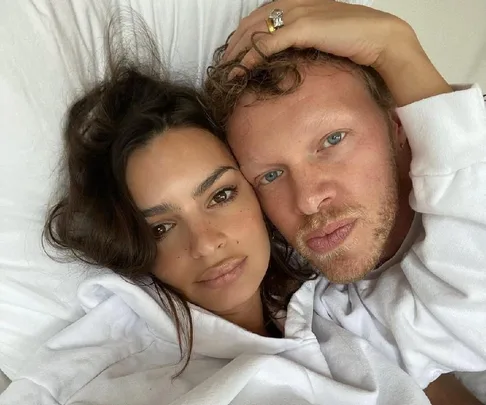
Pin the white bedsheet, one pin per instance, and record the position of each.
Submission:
(46, 44)
(4, 382)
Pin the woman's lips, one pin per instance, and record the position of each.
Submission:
(223, 273)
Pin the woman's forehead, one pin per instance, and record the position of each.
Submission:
(174, 164)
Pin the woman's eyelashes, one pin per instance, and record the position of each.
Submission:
(160, 230)
(333, 139)
(221, 197)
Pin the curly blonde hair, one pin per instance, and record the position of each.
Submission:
(277, 75)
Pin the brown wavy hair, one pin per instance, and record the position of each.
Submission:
(276, 75)
(95, 219)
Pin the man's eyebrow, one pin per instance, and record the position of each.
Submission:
(210, 180)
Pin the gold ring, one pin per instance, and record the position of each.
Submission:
(275, 20)
(271, 28)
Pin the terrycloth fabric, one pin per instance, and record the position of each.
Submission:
(4, 382)
(426, 308)
(125, 351)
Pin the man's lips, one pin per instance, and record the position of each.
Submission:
(331, 236)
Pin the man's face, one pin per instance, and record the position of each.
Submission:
(322, 160)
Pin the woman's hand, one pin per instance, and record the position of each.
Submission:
(359, 33)
(364, 35)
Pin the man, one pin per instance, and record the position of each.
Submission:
(376, 176)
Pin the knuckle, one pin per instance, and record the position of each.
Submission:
(246, 22)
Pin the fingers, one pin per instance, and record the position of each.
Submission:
(243, 41)
(258, 32)
(256, 22)
(355, 32)
(295, 35)
(249, 24)
(288, 36)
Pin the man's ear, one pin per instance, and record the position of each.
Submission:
(398, 135)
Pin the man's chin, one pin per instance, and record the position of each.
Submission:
(337, 278)
(341, 271)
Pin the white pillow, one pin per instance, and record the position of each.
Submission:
(48, 49)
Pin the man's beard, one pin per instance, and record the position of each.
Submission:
(343, 265)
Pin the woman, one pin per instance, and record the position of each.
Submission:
(153, 194)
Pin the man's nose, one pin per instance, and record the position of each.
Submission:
(312, 191)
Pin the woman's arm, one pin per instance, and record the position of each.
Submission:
(364, 35)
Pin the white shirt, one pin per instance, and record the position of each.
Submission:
(425, 309)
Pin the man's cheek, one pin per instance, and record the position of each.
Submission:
(268, 202)
(278, 211)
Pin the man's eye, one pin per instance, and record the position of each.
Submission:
(334, 139)
(269, 177)
(159, 231)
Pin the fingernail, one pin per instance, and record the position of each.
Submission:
(232, 74)
(237, 71)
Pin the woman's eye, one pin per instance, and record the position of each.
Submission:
(223, 196)
(269, 177)
(334, 139)
(159, 231)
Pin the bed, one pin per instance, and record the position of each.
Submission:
(50, 48)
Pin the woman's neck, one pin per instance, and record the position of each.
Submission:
(248, 315)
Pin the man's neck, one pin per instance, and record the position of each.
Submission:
(403, 222)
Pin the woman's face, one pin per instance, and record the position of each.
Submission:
(213, 245)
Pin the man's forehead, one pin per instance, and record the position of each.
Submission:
(337, 91)
(319, 81)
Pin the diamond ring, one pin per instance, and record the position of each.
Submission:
(275, 20)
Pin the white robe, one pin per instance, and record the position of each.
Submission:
(124, 351)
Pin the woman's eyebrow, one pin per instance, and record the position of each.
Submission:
(164, 208)
(210, 180)
(159, 209)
